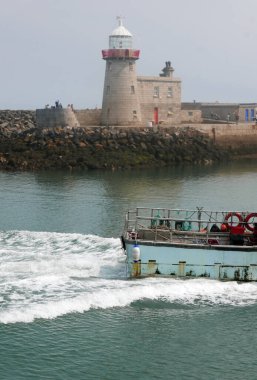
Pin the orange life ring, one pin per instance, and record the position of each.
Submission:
(233, 214)
(247, 224)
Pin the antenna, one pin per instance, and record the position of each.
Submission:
(119, 18)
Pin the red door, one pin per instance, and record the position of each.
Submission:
(155, 115)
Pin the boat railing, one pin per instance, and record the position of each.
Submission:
(181, 224)
(200, 216)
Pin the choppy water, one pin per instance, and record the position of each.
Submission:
(66, 307)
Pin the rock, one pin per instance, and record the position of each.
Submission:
(82, 144)
(143, 146)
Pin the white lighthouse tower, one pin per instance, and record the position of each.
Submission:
(120, 96)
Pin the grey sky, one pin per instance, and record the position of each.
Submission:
(51, 49)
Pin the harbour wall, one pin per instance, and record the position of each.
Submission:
(105, 148)
(239, 138)
(25, 146)
(63, 117)
(52, 117)
(88, 117)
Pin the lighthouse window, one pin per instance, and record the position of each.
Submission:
(156, 92)
(109, 66)
(170, 92)
(108, 90)
(134, 114)
(130, 66)
(132, 89)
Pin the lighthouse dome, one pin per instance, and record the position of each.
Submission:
(121, 30)
(120, 38)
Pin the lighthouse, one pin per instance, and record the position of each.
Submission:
(120, 95)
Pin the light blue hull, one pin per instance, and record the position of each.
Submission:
(224, 263)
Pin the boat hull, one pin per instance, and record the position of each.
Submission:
(216, 262)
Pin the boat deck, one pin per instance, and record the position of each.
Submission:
(161, 236)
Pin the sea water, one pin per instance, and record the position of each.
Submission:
(67, 309)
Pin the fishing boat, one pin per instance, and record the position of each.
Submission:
(191, 243)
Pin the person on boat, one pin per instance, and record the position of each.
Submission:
(214, 228)
(224, 227)
(179, 225)
(237, 235)
(253, 238)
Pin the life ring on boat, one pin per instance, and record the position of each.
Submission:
(248, 218)
(231, 215)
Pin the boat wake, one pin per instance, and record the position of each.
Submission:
(47, 275)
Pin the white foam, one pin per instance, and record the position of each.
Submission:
(46, 275)
(116, 293)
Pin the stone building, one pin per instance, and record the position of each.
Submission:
(216, 112)
(129, 99)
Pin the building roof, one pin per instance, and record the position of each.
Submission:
(121, 30)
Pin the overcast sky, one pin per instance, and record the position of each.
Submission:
(51, 49)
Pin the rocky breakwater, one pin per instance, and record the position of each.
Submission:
(25, 147)
(16, 121)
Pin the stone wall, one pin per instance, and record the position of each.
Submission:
(191, 116)
(62, 117)
(88, 116)
(239, 138)
(56, 117)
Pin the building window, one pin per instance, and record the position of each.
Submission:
(134, 115)
(130, 66)
(170, 92)
(132, 89)
(156, 92)
(109, 66)
(190, 113)
(108, 90)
